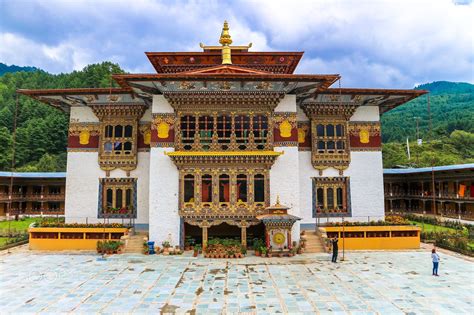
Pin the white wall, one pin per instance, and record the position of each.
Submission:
(284, 182)
(366, 184)
(163, 202)
(82, 186)
(287, 104)
(366, 113)
(161, 105)
(82, 114)
(164, 188)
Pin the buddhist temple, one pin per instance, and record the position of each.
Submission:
(205, 145)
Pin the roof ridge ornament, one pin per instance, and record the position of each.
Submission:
(225, 40)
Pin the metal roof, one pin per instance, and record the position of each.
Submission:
(34, 175)
(456, 167)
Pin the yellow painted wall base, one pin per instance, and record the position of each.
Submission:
(369, 240)
(59, 238)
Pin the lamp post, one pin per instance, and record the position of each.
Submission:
(343, 238)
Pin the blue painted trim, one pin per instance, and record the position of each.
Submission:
(428, 169)
(34, 175)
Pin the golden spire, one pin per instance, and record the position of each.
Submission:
(225, 40)
(225, 36)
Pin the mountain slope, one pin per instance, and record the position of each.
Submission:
(13, 68)
(452, 108)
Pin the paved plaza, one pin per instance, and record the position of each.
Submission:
(367, 283)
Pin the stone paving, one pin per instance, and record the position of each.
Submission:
(366, 283)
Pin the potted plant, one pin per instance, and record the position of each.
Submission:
(197, 249)
(264, 251)
(243, 251)
(269, 252)
(257, 245)
(145, 248)
(166, 247)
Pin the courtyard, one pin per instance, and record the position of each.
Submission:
(366, 283)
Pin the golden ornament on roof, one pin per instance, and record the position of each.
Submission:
(225, 40)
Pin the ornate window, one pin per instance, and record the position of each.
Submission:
(241, 188)
(260, 130)
(224, 131)
(206, 129)
(223, 192)
(259, 188)
(118, 136)
(118, 140)
(206, 188)
(224, 188)
(188, 130)
(329, 132)
(331, 196)
(117, 198)
(189, 188)
(330, 138)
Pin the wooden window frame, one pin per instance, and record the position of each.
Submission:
(107, 210)
(248, 132)
(331, 185)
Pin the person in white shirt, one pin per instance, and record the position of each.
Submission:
(435, 258)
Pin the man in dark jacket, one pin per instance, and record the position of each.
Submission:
(335, 248)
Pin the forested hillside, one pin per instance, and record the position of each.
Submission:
(42, 130)
(452, 138)
(13, 68)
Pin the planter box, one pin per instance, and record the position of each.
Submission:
(375, 237)
(49, 238)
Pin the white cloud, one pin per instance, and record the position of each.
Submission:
(379, 43)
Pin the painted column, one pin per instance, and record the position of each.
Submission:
(204, 238)
(243, 235)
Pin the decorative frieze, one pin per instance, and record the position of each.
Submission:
(365, 136)
(163, 130)
(285, 132)
(249, 100)
(304, 136)
(83, 136)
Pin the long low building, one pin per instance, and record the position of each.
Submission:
(411, 190)
(32, 193)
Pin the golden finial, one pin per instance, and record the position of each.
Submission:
(278, 201)
(225, 36)
(225, 40)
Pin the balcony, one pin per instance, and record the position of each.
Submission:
(222, 209)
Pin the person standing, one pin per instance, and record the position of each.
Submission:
(435, 258)
(335, 249)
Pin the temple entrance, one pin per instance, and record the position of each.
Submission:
(194, 234)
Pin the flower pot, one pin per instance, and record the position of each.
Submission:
(257, 253)
(195, 253)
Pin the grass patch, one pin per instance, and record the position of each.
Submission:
(425, 227)
(3, 241)
(20, 225)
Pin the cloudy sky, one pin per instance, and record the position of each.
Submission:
(371, 43)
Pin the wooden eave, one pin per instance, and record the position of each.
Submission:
(62, 98)
(188, 158)
(174, 59)
(386, 103)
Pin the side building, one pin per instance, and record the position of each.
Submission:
(205, 145)
(411, 190)
(32, 193)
